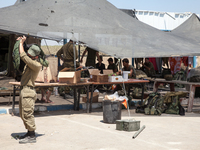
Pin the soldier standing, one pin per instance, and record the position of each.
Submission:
(66, 54)
(28, 93)
(91, 56)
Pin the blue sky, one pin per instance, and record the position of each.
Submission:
(155, 5)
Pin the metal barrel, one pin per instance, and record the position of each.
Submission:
(139, 131)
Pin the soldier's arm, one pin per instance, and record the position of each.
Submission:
(146, 67)
(97, 54)
(59, 53)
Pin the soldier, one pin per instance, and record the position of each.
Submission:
(66, 54)
(148, 68)
(90, 57)
(112, 65)
(128, 67)
(28, 94)
(100, 65)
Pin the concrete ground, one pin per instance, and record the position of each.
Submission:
(77, 130)
(80, 131)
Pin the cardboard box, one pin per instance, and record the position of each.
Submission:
(94, 99)
(95, 76)
(69, 77)
(115, 79)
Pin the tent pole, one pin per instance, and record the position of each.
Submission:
(194, 62)
(133, 62)
(74, 55)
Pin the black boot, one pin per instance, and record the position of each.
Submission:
(30, 138)
(25, 135)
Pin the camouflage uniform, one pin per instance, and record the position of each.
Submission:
(68, 55)
(28, 94)
(91, 56)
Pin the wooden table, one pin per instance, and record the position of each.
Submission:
(75, 86)
(192, 85)
(129, 82)
(78, 86)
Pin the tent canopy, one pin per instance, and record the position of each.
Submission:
(99, 24)
(190, 29)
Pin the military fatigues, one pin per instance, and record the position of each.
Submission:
(28, 94)
(68, 55)
(150, 72)
(91, 56)
(129, 69)
(113, 67)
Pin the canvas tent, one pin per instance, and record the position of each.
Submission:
(190, 29)
(99, 24)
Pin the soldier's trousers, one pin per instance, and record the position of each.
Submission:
(26, 107)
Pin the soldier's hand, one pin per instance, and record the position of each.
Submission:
(22, 38)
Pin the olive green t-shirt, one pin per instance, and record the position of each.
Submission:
(113, 67)
(130, 67)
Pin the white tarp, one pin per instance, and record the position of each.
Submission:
(97, 23)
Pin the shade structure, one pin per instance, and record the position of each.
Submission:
(97, 23)
(190, 29)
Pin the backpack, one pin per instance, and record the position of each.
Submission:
(173, 103)
(173, 108)
(166, 72)
(194, 78)
(156, 106)
(146, 103)
(180, 75)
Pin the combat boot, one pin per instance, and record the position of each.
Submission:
(30, 138)
(23, 136)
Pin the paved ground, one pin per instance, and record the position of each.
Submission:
(80, 131)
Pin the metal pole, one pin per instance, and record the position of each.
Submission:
(13, 103)
(194, 62)
(138, 132)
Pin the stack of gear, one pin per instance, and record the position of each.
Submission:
(173, 103)
(166, 72)
(137, 91)
(194, 75)
(180, 75)
(19, 64)
(155, 104)
(140, 74)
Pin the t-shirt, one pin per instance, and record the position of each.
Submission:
(101, 67)
(150, 72)
(113, 67)
(130, 67)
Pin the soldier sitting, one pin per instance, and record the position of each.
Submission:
(148, 68)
